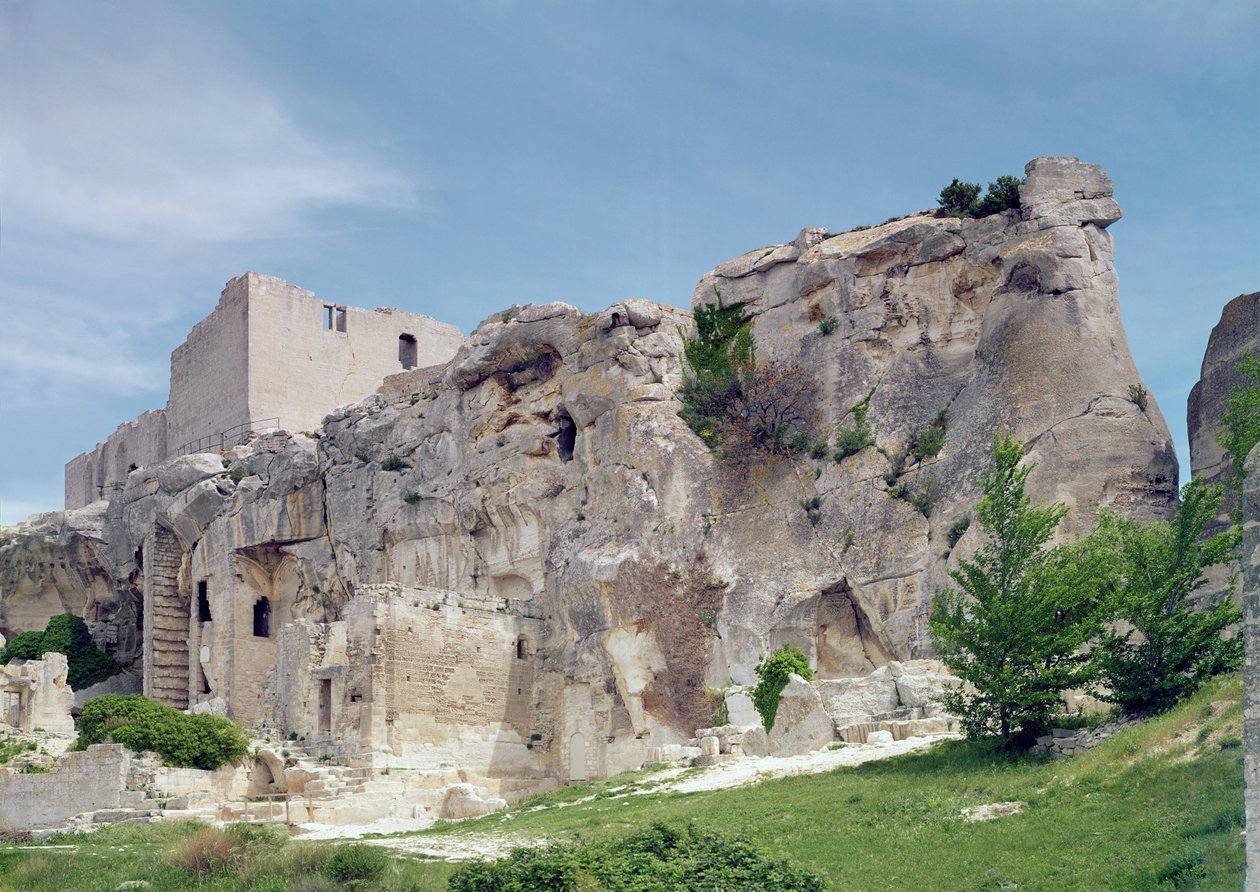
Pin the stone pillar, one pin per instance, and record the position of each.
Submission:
(1251, 668)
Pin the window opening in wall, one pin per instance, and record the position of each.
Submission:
(203, 602)
(407, 351)
(334, 317)
(262, 618)
(566, 437)
(521, 648)
(205, 682)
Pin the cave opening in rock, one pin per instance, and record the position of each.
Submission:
(846, 641)
(566, 436)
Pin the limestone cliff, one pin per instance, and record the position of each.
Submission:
(543, 476)
(1237, 333)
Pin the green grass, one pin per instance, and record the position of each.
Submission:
(1127, 815)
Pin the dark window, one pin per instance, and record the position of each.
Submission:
(407, 351)
(566, 437)
(203, 602)
(262, 618)
(520, 649)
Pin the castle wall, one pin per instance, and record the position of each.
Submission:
(415, 677)
(269, 350)
(306, 361)
(210, 373)
(94, 475)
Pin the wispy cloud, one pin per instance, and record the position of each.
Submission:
(142, 158)
(141, 130)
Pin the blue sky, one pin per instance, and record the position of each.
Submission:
(456, 158)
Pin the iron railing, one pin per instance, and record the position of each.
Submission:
(225, 440)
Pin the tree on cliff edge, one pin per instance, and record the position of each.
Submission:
(1013, 627)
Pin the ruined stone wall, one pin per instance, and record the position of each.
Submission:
(1251, 666)
(210, 371)
(301, 369)
(417, 677)
(95, 778)
(94, 475)
(268, 351)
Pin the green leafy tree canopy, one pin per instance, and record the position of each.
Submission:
(1167, 645)
(1013, 625)
(773, 673)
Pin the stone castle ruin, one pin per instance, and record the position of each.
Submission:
(508, 563)
(270, 356)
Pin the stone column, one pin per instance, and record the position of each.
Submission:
(1251, 668)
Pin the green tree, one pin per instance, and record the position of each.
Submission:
(1240, 425)
(715, 358)
(1166, 645)
(773, 673)
(1013, 627)
(69, 635)
(957, 197)
(1002, 194)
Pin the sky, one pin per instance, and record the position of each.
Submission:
(456, 158)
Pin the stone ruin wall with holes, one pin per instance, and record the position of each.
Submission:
(269, 352)
(542, 483)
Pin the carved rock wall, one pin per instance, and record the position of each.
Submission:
(545, 468)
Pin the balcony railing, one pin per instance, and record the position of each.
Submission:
(225, 440)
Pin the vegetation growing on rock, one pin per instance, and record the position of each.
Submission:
(773, 672)
(1014, 627)
(144, 725)
(1167, 645)
(734, 403)
(960, 199)
(66, 634)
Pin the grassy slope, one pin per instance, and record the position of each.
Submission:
(1111, 819)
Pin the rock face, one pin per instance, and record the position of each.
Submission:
(566, 567)
(801, 725)
(1251, 667)
(1237, 333)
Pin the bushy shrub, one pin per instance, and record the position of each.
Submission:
(735, 404)
(1167, 644)
(960, 199)
(853, 438)
(140, 724)
(773, 673)
(208, 851)
(659, 858)
(957, 197)
(65, 634)
(356, 862)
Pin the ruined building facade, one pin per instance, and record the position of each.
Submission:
(270, 356)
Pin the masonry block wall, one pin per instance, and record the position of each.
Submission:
(268, 351)
(1251, 667)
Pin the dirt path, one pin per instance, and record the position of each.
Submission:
(723, 776)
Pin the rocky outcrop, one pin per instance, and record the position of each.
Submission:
(543, 479)
(1237, 333)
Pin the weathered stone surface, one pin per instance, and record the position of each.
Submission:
(801, 725)
(1237, 333)
(879, 738)
(41, 698)
(1251, 667)
(543, 476)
